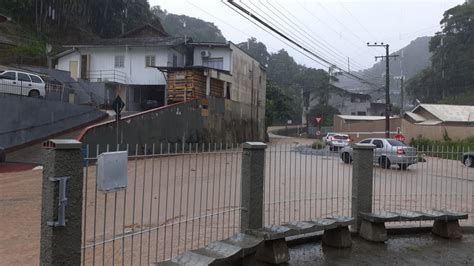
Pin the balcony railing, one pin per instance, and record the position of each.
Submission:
(107, 76)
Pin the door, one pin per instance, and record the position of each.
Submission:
(8, 82)
(378, 149)
(25, 84)
(72, 98)
(73, 67)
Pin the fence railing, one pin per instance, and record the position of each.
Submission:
(178, 198)
(304, 183)
(437, 179)
(181, 197)
(107, 76)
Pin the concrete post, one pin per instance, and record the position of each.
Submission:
(61, 206)
(253, 165)
(362, 176)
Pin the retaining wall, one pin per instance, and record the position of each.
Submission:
(213, 120)
(25, 119)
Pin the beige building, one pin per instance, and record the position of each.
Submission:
(434, 121)
(359, 127)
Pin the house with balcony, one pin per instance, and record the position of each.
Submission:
(125, 65)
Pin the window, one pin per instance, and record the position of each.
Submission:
(23, 77)
(149, 61)
(217, 63)
(395, 142)
(8, 75)
(366, 141)
(378, 143)
(228, 91)
(36, 79)
(175, 60)
(119, 61)
(361, 113)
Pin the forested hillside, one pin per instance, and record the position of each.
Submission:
(450, 76)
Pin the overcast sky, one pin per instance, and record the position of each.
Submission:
(335, 29)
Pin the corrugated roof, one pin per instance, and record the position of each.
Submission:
(449, 113)
(138, 41)
(416, 117)
(430, 122)
(362, 117)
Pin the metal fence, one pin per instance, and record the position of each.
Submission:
(107, 76)
(438, 180)
(304, 183)
(179, 197)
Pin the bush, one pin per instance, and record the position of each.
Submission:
(318, 144)
(447, 148)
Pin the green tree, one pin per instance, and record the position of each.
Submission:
(256, 49)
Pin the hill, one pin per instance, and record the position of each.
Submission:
(412, 59)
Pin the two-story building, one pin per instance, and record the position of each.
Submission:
(125, 65)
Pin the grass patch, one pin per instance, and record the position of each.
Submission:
(446, 149)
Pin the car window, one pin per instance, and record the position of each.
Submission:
(366, 141)
(8, 75)
(395, 142)
(342, 137)
(35, 79)
(378, 143)
(23, 77)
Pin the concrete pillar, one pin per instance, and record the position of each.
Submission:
(253, 165)
(362, 176)
(61, 238)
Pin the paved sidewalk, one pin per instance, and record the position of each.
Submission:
(416, 249)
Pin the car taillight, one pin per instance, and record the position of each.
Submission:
(400, 151)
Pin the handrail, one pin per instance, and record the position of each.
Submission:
(107, 75)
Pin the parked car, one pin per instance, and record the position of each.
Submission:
(328, 137)
(468, 159)
(22, 83)
(387, 152)
(150, 104)
(338, 141)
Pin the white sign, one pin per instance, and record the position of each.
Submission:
(289, 122)
(112, 171)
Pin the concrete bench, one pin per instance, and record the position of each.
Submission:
(232, 251)
(268, 244)
(274, 249)
(446, 223)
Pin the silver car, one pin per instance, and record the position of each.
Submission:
(387, 152)
(338, 141)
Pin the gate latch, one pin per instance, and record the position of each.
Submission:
(62, 201)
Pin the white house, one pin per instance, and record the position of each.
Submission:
(126, 65)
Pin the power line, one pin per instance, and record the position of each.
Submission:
(310, 35)
(315, 55)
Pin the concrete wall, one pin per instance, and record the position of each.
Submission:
(26, 119)
(436, 132)
(223, 121)
(103, 58)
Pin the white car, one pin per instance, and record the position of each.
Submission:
(22, 83)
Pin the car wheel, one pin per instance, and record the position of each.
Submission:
(33, 94)
(346, 157)
(384, 162)
(403, 166)
(469, 162)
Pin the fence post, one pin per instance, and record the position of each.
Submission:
(362, 176)
(61, 206)
(252, 181)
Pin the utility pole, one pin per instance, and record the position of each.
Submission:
(387, 83)
(402, 100)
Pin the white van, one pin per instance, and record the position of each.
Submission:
(21, 83)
